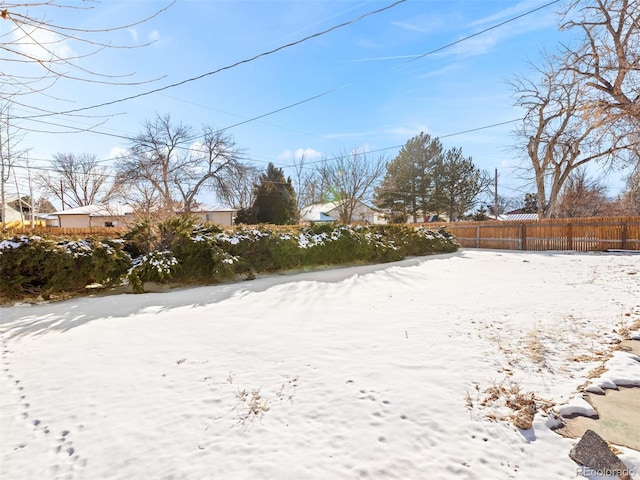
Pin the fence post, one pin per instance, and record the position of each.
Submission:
(478, 236)
(523, 237)
(569, 236)
(624, 236)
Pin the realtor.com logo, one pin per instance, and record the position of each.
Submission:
(606, 473)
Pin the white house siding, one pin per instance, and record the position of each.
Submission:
(222, 218)
(361, 214)
(74, 221)
(109, 220)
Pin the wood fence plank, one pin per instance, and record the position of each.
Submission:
(580, 234)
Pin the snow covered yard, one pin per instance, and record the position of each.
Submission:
(381, 372)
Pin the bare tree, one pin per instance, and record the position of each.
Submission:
(240, 181)
(167, 159)
(37, 50)
(582, 196)
(10, 155)
(607, 59)
(351, 177)
(306, 182)
(146, 203)
(78, 180)
(628, 202)
(558, 134)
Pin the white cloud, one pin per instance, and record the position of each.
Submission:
(422, 24)
(117, 152)
(409, 131)
(285, 155)
(134, 35)
(42, 44)
(513, 11)
(332, 136)
(154, 36)
(307, 153)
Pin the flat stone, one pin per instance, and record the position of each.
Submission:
(632, 346)
(618, 419)
(593, 452)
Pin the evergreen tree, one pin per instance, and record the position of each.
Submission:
(480, 215)
(409, 184)
(275, 198)
(530, 203)
(459, 182)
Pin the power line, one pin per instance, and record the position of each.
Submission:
(462, 132)
(292, 105)
(228, 67)
(493, 27)
(128, 138)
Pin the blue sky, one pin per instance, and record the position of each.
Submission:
(377, 87)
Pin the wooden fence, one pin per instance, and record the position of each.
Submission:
(77, 232)
(581, 234)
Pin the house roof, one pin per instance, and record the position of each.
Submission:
(518, 217)
(206, 207)
(112, 210)
(324, 212)
(318, 213)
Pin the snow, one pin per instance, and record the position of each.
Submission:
(623, 370)
(577, 406)
(379, 372)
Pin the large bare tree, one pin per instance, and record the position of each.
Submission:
(607, 57)
(351, 178)
(78, 180)
(173, 161)
(558, 135)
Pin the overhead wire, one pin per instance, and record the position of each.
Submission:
(308, 99)
(227, 67)
(92, 130)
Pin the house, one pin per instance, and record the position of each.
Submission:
(119, 215)
(12, 215)
(317, 214)
(48, 219)
(330, 212)
(18, 213)
(223, 216)
(89, 216)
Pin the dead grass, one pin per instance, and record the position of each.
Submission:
(506, 401)
(626, 328)
(597, 372)
(254, 404)
(535, 348)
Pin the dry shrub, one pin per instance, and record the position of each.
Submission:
(524, 405)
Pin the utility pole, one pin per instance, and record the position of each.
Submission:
(495, 198)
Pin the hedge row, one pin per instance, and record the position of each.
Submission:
(180, 251)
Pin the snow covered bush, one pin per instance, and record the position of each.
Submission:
(416, 241)
(186, 252)
(180, 250)
(156, 267)
(37, 266)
